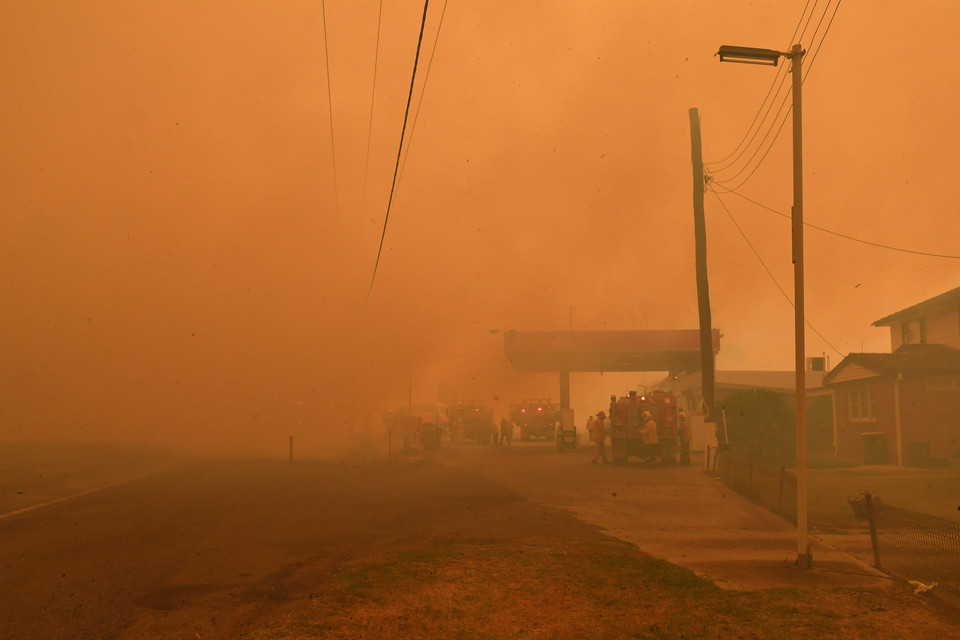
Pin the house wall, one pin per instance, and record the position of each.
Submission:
(939, 327)
(850, 441)
(931, 415)
(943, 327)
(926, 415)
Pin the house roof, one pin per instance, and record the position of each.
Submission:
(781, 381)
(950, 298)
(917, 358)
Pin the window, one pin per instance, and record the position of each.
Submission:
(905, 333)
(923, 331)
(862, 406)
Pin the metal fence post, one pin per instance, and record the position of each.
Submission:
(871, 518)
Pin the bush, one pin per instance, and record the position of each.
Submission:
(760, 425)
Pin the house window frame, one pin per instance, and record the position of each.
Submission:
(862, 405)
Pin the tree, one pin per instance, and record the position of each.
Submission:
(761, 425)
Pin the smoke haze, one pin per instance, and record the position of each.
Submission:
(186, 248)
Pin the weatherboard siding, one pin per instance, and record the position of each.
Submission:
(940, 327)
(943, 327)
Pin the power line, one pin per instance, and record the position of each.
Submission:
(782, 77)
(396, 168)
(797, 28)
(423, 90)
(842, 235)
(807, 24)
(820, 46)
(373, 93)
(823, 15)
(783, 121)
(765, 268)
(333, 149)
(760, 146)
(814, 52)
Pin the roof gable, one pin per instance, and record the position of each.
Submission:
(915, 358)
(950, 298)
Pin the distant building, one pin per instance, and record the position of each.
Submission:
(903, 407)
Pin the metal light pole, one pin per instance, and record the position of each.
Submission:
(750, 55)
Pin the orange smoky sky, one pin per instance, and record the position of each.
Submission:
(188, 246)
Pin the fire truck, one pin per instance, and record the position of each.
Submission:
(536, 418)
(626, 420)
(471, 420)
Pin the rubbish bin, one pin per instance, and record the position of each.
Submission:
(920, 454)
(874, 447)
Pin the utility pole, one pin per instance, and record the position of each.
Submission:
(707, 375)
(804, 557)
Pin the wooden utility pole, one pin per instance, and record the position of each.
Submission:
(703, 290)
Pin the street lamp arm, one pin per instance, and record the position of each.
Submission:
(750, 55)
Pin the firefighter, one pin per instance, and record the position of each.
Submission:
(651, 441)
(685, 434)
(506, 430)
(598, 433)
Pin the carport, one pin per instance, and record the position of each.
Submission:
(563, 352)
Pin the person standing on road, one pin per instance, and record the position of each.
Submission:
(598, 433)
(685, 435)
(506, 430)
(651, 439)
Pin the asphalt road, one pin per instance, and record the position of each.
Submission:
(212, 548)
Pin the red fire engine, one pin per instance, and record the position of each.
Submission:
(626, 420)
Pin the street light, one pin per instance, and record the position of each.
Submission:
(750, 55)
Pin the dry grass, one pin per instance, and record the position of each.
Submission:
(603, 588)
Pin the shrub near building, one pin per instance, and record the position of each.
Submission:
(761, 426)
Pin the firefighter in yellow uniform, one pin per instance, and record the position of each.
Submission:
(598, 433)
(651, 440)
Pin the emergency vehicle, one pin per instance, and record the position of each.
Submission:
(536, 418)
(626, 421)
(471, 420)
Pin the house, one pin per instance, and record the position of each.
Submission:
(933, 321)
(903, 407)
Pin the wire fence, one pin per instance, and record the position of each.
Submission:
(922, 549)
(913, 546)
(770, 486)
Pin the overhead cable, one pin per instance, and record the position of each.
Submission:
(396, 167)
(769, 273)
(842, 235)
(333, 149)
(373, 93)
(423, 89)
(773, 84)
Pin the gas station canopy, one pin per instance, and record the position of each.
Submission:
(567, 351)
